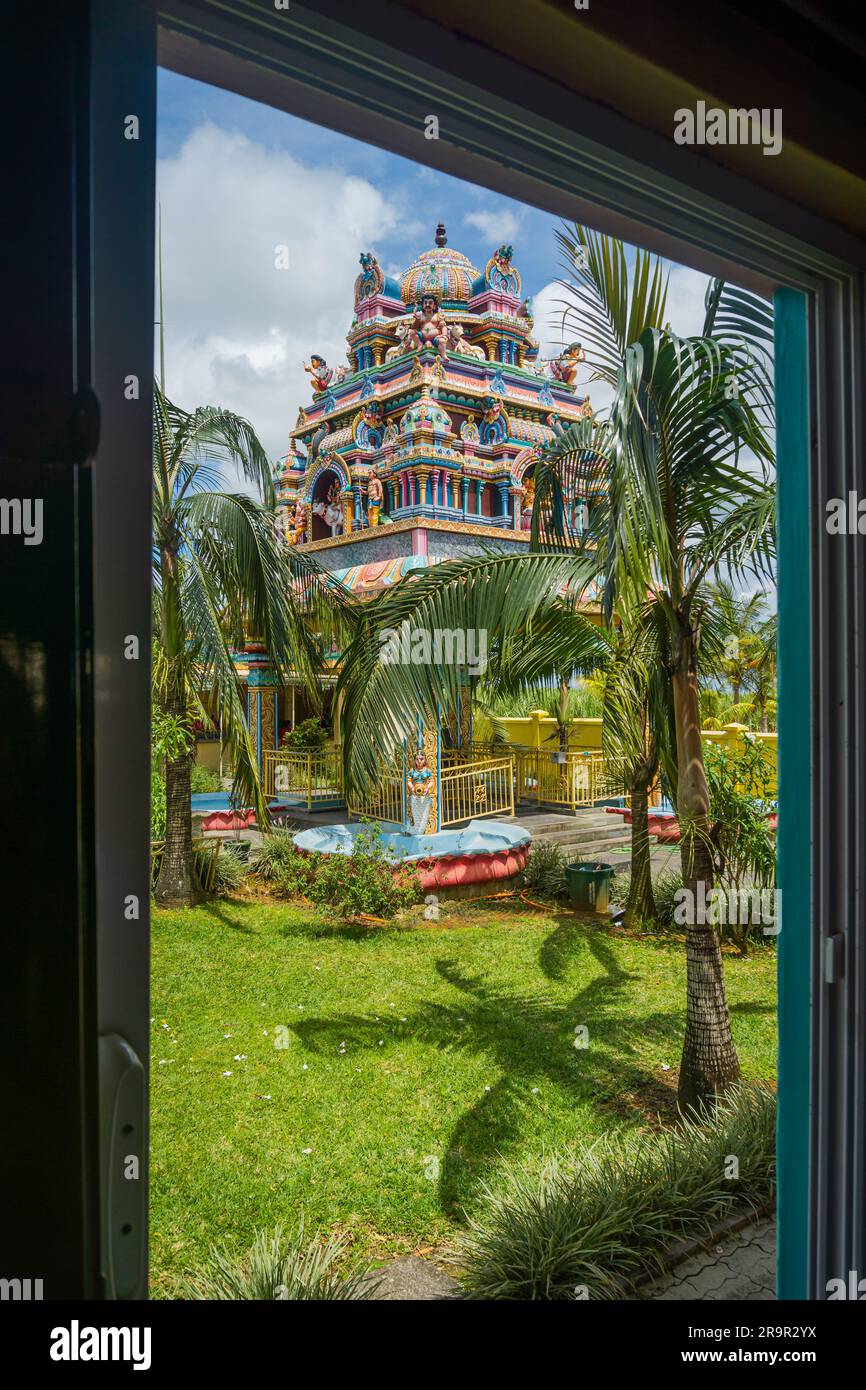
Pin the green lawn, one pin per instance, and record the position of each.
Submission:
(411, 1060)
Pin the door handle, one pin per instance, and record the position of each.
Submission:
(123, 1132)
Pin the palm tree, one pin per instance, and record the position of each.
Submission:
(219, 574)
(739, 616)
(679, 510)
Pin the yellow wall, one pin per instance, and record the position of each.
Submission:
(538, 730)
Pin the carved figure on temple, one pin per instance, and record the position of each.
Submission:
(371, 279)
(320, 373)
(375, 498)
(331, 510)
(494, 421)
(419, 784)
(526, 310)
(428, 328)
(469, 431)
(369, 426)
(296, 521)
(401, 345)
(457, 342)
(340, 373)
(527, 503)
(500, 273)
(564, 368)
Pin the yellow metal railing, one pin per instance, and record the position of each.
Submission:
(310, 777)
(384, 802)
(484, 787)
(570, 780)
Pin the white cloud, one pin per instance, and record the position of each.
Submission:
(237, 328)
(685, 301)
(497, 226)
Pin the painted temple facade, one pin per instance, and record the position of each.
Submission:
(421, 445)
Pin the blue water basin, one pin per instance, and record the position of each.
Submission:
(478, 837)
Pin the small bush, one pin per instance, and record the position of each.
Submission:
(201, 779)
(229, 871)
(364, 881)
(157, 805)
(276, 849)
(665, 888)
(281, 1268)
(600, 1218)
(545, 870)
(309, 734)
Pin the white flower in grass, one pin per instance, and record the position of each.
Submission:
(226, 1073)
(306, 1151)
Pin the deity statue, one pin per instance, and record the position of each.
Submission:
(500, 273)
(469, 431)
(320, 373)
(428, 328)
(375, 498)
(457, 342)
(369, 426)
(564, 368)
(296, 520)
(494, 422)
(371, 279)
(419, 784)
(331, 510)
(527, 504)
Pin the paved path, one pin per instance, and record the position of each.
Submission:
(740, 1268)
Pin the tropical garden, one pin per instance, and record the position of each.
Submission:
(343, 1072)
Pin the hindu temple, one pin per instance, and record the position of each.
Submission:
(421, 445)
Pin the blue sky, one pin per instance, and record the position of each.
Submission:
(236, 179)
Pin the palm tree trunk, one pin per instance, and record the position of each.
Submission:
(641, 904)
(176, 884)
(709, 1062)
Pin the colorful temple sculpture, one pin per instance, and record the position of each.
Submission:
(422, 445)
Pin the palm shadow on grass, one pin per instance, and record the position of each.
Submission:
(530, 1040)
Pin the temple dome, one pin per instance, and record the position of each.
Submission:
(441, 271)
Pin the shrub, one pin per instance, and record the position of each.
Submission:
(278, 1267)
(601, 1218)
(276, 849)
(229, 870)
(201, 779)
(545, 870)
(157, 805)
(665, 888)
(308, 734)
(364, 881)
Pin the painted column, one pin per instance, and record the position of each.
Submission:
(262, 708)
(479, 496)
(503, 499)
(464, 485)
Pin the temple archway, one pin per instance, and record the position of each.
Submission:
(325, 496)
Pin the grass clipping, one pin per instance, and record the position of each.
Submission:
(588, 1226)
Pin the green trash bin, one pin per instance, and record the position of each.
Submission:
(589, 885)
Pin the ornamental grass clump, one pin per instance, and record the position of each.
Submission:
(589, 1225)
(279, 1268)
